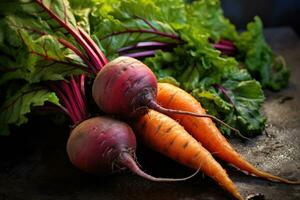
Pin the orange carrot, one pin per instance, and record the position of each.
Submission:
(165, 135)
(205, 131)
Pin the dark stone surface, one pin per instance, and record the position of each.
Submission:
(34, 163)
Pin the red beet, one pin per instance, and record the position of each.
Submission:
(102, 145)
(124, 87)
(128, 88)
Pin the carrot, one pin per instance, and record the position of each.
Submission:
(165, 135)
(205, 131)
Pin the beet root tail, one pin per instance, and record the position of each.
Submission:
(155, 106)
(128, 161)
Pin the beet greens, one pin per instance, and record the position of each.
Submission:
(42, 41)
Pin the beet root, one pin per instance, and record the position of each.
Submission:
(124, 86)
(102, 145)
(128, 88)
(95, 144)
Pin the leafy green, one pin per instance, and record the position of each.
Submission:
(229, 87)
(32, 56)
(122, 23)
(208, 16)
(244, 96)
(259, 58)
(194, 63)
(32, 50)
(15, 108)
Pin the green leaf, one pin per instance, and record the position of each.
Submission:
(15, 108)
(170, 80)
(123, 23)
(207, 16)
(38, 55)
(259, 58)
(62, 9)
(199, 72)
(240, 106)
(216, 80)
(32, 55)
(194, 64)
(17, 6)
(248, 97)
(212, 102)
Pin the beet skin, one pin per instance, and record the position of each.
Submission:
(96, 145)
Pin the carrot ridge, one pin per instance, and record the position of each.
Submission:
(172, 140)
(205, 131)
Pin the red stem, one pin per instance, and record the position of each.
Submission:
(140, 54)
(72, 101)
(79, 99)
(76, 51)
(67, 104)
(46, 57)
(94, 46)
(141, 45)
(224, 91)
(155, 106)
(226, 42)
(96, 61)
(148, 23)
(81, 83)
(172, 36)
(229, 53)
(223, 47)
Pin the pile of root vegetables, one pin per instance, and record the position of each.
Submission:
(59, 62)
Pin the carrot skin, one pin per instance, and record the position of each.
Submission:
(205, 131)
(165, 135)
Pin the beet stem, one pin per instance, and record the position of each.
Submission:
(73, 32)
(82, 86)
(139, 45)
(78, 98)
(148, 23)
(226, 47)
(223, 47)
(94, 46)
(127, 160)
(76, 51)
(224, 91)
(84, 68)
(226, 42)
(73, 102)
(140, 54)
(168, 35)
(155, 106)
(65, 101)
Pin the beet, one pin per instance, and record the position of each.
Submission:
(128, 88)
(124, 87)
(102, 145)
(96, 144)
(99, 145)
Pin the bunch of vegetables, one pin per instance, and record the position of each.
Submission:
(48, 54)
